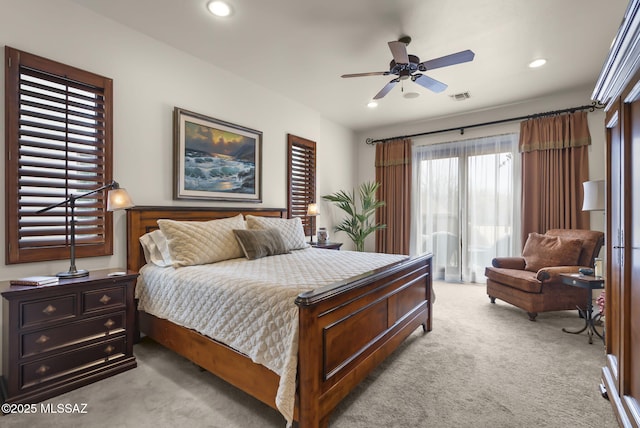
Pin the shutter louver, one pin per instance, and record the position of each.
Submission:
(61, 148)
(301, 179)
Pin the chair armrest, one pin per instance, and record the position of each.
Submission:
(509, 263)
(553, 273)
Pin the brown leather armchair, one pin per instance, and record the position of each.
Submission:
(533, 283)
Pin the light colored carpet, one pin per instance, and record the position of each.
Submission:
(483, 365)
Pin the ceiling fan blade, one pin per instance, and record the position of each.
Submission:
(429, 83)
(373, 73)
(399, 51)
(384, 91)
(445, 61)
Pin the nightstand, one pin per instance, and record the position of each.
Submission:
(592, 283)
(327, 245)
(56, 338)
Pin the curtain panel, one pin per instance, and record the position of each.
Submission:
(555, 163)
(393, 172)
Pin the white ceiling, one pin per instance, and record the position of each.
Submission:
(300, 48)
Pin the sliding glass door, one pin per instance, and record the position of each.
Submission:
(464, 204)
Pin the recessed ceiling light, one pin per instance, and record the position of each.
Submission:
(372, 104)
(219, 8)
(537, 63)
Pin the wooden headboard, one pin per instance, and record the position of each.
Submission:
(141, 220)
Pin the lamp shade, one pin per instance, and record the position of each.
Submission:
(312, 210)
(118, 199)
(593, 195)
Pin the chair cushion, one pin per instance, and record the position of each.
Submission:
(591, 242)
(521, 279)
(545, 251)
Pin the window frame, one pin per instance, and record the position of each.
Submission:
(299, 199)
(98, 242)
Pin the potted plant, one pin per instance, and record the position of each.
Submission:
(358, 223)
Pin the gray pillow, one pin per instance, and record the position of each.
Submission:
(260, 242)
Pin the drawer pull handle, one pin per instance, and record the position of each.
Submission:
(42, 339)
(109, 323)
(109, 349)
(49, 310)
(42, 370)
(105, 299)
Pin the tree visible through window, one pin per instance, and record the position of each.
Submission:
(58, 143)
(301, 179)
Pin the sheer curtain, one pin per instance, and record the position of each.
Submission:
(466, 204)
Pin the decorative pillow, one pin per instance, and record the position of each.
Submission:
(290, 229)
(201, 242)
(260, 243)
(156, 248)
(547, 251)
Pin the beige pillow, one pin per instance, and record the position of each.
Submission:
(260, 243)
(201, 242)
(542, 251)
(290, 229)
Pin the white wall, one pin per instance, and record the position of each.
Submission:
(573, 98)
(150, 78)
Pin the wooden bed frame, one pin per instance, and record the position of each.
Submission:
(346, 329)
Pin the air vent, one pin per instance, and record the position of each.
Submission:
(461, 96)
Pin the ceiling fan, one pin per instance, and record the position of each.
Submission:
(407, 66)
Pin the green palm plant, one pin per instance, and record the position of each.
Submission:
(358, 223)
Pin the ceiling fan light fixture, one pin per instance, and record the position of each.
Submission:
(411, 95)
(406, 67)
(219, 8)
(537, 63)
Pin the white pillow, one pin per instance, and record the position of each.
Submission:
(156, 249)
(201, 242)
(290, 229)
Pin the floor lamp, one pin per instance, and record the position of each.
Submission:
(117, 199)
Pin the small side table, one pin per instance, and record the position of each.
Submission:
(591, 283)
(327, 245)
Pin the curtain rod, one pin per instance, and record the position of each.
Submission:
(591, 107)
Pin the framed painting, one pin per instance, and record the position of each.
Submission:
(215, 160)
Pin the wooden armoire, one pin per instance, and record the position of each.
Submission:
(619, 88)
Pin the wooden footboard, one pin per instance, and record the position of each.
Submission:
(346, 329)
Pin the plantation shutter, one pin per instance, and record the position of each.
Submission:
(301, 179)
(59, 138)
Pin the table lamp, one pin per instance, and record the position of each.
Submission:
(593, 195)
(594, 201)
(117, 199)
(312, 212)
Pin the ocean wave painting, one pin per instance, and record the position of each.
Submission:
(216, 160)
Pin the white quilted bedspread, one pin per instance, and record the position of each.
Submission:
(249, 304)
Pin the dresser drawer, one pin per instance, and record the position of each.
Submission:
(72, 333)
(103, 298)
(73, 361)
(47, 310)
